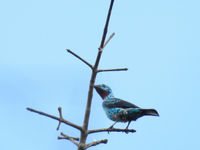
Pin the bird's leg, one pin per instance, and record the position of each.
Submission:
(127, 126)
(112, 125)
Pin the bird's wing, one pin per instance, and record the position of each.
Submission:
(115, 102)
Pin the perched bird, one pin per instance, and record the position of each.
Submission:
(119, 110)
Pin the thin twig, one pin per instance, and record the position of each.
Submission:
(61, 117)
(72, 139)
(110, 37)
(111, 130)
(106, 70)
(104, 141)
(106, 25)
(56, 118)
(83, 60)
(64, 136)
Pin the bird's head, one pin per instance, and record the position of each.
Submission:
(104, 91)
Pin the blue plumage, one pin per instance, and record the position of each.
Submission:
(119, 110)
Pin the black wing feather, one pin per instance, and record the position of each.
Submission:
(115, 102)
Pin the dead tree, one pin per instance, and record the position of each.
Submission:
(84, 131)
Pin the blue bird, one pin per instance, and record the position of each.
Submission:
(119, 110)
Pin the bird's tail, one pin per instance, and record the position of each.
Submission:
(150, 112)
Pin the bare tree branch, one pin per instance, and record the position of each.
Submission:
(64, 136)
(72, 139)
(106, 70)
(104, 141)
(111, 36)
(111, 130)
(77, 56)
(56, 118)
(84, 133)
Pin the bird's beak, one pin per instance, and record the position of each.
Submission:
(98, 89)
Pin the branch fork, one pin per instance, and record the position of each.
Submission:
(83, 146)
(60, 119)
(71, 139)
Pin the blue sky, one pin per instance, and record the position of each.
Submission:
(157, 40)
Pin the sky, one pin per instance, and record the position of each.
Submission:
(158, 41)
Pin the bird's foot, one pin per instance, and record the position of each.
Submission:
(111, 127)
(126, 130)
